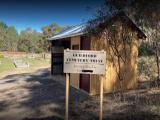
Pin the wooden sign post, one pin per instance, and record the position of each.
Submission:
(67, 96)
(84, 62)
(101, 99)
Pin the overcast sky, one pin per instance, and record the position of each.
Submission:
(38, 13)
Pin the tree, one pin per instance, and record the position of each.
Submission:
(146, 14)
(3, 28)
(8, 37)
(11, 39)
(30, 41)
(49, 31)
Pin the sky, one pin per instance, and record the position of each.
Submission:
(37, 13)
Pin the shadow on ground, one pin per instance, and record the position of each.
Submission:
(38, 96)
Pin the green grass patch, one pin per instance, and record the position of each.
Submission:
(6, 64)
(33, 62)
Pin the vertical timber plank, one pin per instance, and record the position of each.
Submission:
(101, 98)
(67, 96)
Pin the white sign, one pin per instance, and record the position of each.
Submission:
(84, 61)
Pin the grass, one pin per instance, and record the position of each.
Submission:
(35, 62)
(6, 64)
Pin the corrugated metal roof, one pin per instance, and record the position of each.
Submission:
(81, 29)
(70, 32)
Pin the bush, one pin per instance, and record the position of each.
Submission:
(38, 50)
(23, 48)
(1, 55)
(146, 49)
(147, 68)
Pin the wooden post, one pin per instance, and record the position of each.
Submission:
(101, 99)
(67, 96)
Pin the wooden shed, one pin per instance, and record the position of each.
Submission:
(121, 67)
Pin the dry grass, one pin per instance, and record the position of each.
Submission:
(140, 104)
(43, 98)
(9, 68)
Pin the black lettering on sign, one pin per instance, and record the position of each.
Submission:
(87, 71)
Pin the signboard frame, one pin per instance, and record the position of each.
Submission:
(85, 70)
(84, 61)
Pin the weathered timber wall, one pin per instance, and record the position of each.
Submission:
(128, 69)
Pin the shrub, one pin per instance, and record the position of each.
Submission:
(38, 50)
(1, 55)
(23, 48)
(146, 49)
(147, 68)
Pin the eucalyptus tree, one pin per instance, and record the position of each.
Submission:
(145, 13)
(3, 28)
(11, 39)
(49, 31)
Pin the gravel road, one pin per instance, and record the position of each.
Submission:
(38, 96)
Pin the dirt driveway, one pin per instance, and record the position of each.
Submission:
(38, 96)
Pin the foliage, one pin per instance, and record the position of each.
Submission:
(146, 49)
(146, 14)
(3, 28)
(39, 50)
(28, 40)
(117, 37)
(49, 31)
(1, 55)
(8, 37)
(11, 39)
(23, 48)
(147, 68)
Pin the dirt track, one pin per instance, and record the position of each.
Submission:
(38, 96)
(32, 95)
